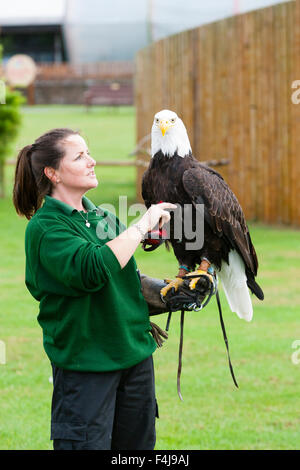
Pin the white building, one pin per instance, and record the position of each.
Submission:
(101, 30)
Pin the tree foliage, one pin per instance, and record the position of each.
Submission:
(10, 123)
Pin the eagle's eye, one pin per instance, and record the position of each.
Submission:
(172, 120)
(156, 120)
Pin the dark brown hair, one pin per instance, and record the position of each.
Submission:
(31, 183)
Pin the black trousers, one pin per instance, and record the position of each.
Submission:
(104, 410)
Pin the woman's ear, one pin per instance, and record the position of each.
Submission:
(51, 174)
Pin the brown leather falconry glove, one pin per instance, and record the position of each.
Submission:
(151, 288)
(183, 298)
(151, 291)
(174, 300)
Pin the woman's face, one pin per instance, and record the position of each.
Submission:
(76, 168)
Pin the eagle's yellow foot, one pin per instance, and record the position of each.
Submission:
(172, 284)
(201, 271)
(198, 273)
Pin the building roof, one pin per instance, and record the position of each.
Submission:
(32, 12)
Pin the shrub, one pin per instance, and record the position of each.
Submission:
(10, 123)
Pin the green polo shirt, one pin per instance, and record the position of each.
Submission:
(93, 314)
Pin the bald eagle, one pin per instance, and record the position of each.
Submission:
(175, 176)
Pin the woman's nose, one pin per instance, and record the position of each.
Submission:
(91, 161)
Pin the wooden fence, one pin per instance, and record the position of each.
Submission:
(97, 70)
(231, 83)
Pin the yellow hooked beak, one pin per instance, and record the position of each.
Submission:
(164, 126)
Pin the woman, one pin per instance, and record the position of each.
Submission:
(95, 320)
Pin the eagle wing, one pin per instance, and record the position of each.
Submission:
(222, 210)
(145, 194)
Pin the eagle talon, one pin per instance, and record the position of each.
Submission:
(198, 273)
(172, 286)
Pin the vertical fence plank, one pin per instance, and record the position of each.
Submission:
(246, 101)
(270, 159)
(284, 113)
(202, 83)
(196, 92)
(282, 97)
(233, 93)
(278, 123)
(259, 117)
(241, 120)
(289, 32)
(230, 101)
(266, 117)
(294, 109)
(220, 92)
(210, 91)
(251, 183)
(224, 86)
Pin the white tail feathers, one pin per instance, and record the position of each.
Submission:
(234, 281)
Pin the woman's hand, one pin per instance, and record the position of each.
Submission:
(156, 214)
(127, 242)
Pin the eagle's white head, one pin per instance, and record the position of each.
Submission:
(169, 135)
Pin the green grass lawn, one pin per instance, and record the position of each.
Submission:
(262, 414)
(109, 132)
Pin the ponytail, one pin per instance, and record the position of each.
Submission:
(25, 192)
(31, 183)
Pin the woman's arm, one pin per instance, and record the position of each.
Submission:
(127, 242)
(71, 262)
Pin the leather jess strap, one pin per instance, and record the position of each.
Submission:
(186, 299)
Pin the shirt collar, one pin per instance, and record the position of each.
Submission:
(52, 203)
(87, 204)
